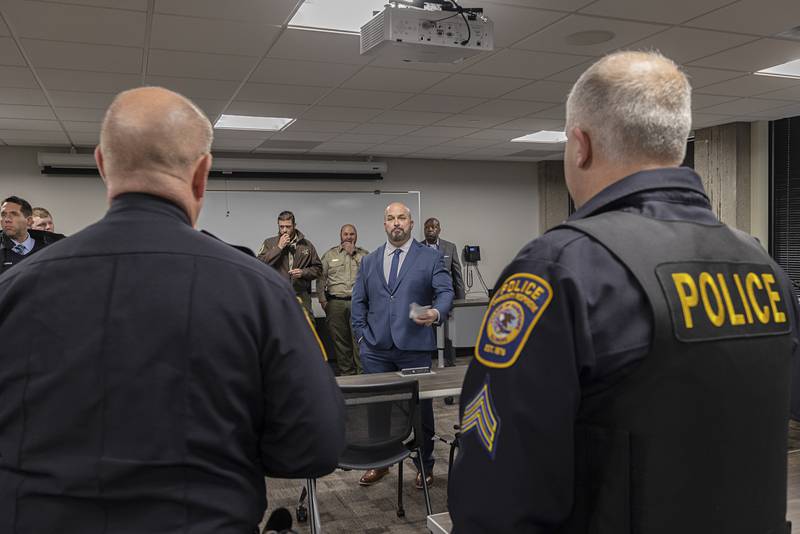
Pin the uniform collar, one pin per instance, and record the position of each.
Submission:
(143, 202)
(666, 178)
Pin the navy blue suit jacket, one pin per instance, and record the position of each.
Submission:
(380, 313)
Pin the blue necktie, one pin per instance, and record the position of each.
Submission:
(393, 269)
(20, 249)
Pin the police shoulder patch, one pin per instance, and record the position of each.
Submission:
(513, 312)
(480, 418)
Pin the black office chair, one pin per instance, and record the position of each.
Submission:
(380, 422)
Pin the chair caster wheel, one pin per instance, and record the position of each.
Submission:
(302, 514)
(401, 513)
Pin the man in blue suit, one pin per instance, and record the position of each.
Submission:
(390, 280)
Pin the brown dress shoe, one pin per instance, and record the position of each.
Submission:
(428, 478)
(371, 476)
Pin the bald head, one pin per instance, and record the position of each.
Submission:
(635, 106)
(158, 142)
(153, 129)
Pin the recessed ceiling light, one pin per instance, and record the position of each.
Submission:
(590, 37)
(335, 15)
(543, 136)
(245, 122)
(790, 69)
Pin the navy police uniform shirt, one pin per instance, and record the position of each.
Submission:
(150, 377)
(584, 322)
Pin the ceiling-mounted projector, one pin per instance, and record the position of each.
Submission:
(425, 35)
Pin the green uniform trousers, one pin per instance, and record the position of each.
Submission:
(344, 346)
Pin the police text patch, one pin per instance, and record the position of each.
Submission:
(480, 417)
(509, 321)
(716, 300)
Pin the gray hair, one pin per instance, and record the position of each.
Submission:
(636, 106)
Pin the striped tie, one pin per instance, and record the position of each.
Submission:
(20, 249)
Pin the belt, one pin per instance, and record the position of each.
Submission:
(334, 297)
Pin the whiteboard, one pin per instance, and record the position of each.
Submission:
(248, 217)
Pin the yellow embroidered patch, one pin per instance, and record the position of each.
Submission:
(513, 312)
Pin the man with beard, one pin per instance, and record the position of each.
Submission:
(292, 255)
(392, 278)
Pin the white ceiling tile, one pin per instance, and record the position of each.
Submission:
(394, 63)
(790, 93)
(672, 12)
(542, 91)
(752, 16)
(509, 108)
(241, 145)
(479, 86)
(382, 79)
(466, 142)
(70, 80)
(103, 58)
(417, 118)
(272, 70)
(82, 127)
(704, 120)
(265, 109)
(133, 5)
(533, 124)
(571, 74)
(743, 106)
(9, 53)
(198, 65)
(242, 135)
(271, 12)
(80, 114)
(214, 36)
(701, 77)
(513, 23)
(751, 85)
(330, 113)
(81, 99)
(85, 138)
(23, 96)
(561, 5)
(499, 134)
(438, 103)
(289, 135)
(194, 88)
(28, 124)
(282, 94)
(341, 148)
(8, 111)
(792, 110)
(384, 129)
(753, 56)
(19, 137)
(555, 113)
(445, 131)
(20, 77)
(304, 125)
(318, 46)
(362, 138)
(700, 101)
(524, 64)
(472, 121)
(389, 150)
(418, 141)
(361, 98)
(686, 44)
(56, 22)
(441, 150)
(554, 37)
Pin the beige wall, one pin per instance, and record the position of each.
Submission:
(491, 204)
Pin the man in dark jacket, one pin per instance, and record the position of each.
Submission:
(292, 255)
(18, 241)
(174, 372)
(632, 370)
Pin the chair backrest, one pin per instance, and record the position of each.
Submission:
(381, 414)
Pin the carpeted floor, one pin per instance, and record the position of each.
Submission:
(346, 507)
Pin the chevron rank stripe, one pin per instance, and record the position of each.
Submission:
(479, 417)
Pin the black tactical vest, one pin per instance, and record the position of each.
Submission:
(693, 439)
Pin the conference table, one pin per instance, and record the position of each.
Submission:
(440, 382)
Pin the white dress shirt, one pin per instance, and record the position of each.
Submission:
(387, 257)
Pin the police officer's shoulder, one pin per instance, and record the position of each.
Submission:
(552, 244)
